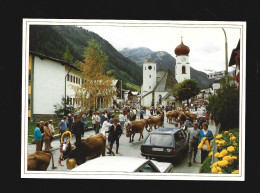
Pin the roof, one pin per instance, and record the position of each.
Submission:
(166, 96)
(182, 50)
(165, 130)
(54, 59)
(147, 94)
(166, 82)
(111, 164)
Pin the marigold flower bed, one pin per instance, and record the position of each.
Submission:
(227, 154)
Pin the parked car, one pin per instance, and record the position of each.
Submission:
(167, 143)
(123, 164)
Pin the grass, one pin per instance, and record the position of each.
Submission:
(205, 168)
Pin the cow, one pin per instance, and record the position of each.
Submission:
(87, 149)
(39, 161)
(193, 116)
(156, 121)
(172, 114)
(133, 127)
(181, 118)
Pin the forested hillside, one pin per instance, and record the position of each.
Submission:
(51, 40)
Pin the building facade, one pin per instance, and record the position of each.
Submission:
(50, 80)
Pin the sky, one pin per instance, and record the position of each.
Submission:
(207, 44)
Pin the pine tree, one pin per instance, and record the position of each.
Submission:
(67, 55)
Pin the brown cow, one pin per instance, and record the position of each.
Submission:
(172, 114)
(131, 128)
(156, 121)
(87, 149)
(193, 116)
(39, 161)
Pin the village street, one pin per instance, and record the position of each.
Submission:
(126, 149)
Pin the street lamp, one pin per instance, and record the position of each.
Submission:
(226, 54)
(65, 109)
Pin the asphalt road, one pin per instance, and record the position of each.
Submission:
(126, 149)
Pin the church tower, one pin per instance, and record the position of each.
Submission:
(149, 76)
(182, 67)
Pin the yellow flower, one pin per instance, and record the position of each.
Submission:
(216, 155)
(210, 154)
(232, 138)
(219, 136)
(223, 153)
(220, 172)
(234, 143)
(214, 170)
(222, 142)
(231, 149)
(215, 164)
(228, 158)
(234, 157)
(226, 132)
(223, 163)
(230, 134)
(219, 169)
(235, 172)
(217, 141)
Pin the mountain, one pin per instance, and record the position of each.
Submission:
(51, 40)
(164, 61)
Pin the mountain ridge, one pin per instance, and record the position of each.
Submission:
(164, 61)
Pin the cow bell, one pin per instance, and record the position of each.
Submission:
(71, 163)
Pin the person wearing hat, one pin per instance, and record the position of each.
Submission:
(51, 127)
(115, 132)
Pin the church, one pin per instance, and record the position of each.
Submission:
(157, 85)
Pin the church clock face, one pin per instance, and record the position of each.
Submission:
(183, 59)
(150, 67)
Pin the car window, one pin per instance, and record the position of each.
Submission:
(147, 168)
(178, 136)
(159, 140)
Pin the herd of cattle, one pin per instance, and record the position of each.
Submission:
(95, 145)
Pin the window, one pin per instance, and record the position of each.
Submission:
(73, 101)
(159, 140)
(74, 79)
(150, 67)
(68, 77)
(178, 136)
(150, 87)
(150, 76)
(147, 168)
(145, 68)
(70, 101)
(183, 70)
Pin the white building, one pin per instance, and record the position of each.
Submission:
(157, 85)
(47, 79)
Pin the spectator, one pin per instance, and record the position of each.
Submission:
(109, 115)
(38, 137)
(70, 120)
(134, 114)
(207, 117)
(192, 141)
(142, 114)
(111, 120)
(42, 132)
(52, 129)
(176, 125)
(94, 121)
(84, 120)
(187, 123)
(122, 121)
(47, 136)
(103, 118)
(105, 127)
(115, 132)
(125, 114)
(209, 136)
(97, 123)
(78, 128)
(62, 126)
